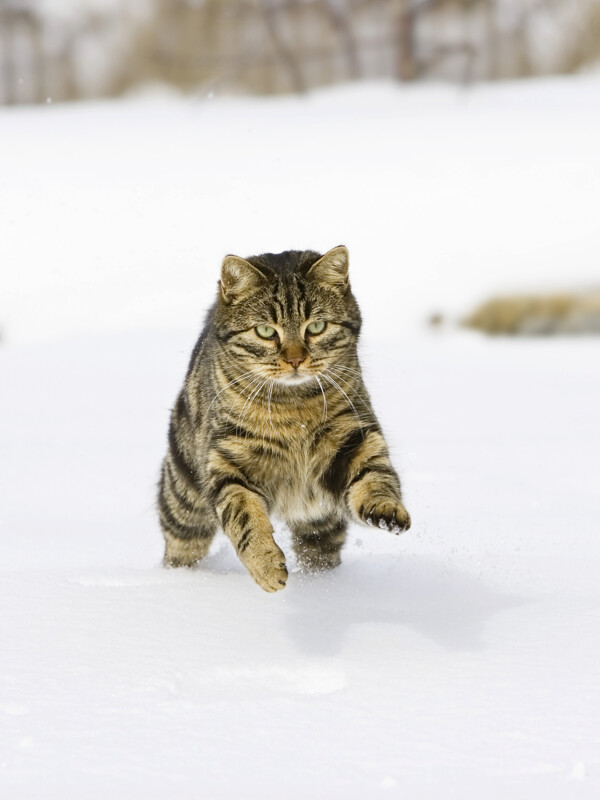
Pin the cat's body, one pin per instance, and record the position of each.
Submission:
(273, 418)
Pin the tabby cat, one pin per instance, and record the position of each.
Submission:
(274, 418)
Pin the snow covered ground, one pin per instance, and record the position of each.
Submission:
(459, 660)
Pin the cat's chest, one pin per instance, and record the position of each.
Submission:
(284, 465)
(290, 478)
(297, 492)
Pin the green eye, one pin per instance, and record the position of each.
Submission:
(316, 327)
(266, 331)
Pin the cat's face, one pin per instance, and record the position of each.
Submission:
(290, 317)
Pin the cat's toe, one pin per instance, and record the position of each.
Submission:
(387, 515)
(271, 579)
(401, 520)
(270, 572)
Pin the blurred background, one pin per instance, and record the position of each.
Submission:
(141, 140)
(79, 49)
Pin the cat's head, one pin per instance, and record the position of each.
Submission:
(289, 316)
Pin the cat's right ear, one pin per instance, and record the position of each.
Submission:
(238, 279)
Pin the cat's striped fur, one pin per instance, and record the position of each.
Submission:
(276, 426)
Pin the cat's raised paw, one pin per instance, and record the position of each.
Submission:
(389, 515)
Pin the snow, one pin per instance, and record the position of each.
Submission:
(458, 660)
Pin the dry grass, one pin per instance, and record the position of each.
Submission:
(542, 315)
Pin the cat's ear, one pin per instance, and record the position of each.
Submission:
(332, 268)
(238, 279)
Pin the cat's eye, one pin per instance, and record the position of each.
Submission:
(266, 331)
(316, 327)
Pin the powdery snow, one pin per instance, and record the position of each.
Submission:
(458, 660)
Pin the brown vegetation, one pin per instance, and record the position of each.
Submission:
(531, 315)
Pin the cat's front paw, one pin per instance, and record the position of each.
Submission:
(267, 566)
(389, 515)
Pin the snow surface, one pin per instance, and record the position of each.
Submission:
(459, 660)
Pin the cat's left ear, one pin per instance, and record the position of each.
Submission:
(332, 268)
(239, 279)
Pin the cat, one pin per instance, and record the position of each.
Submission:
(273, 417)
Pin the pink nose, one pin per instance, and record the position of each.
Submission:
(295, 362)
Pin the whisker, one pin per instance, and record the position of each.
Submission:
(339, 388)
(250, 388)
(346, 380)
(231, 383)
(348, 369)
(272, 384)
(249, 402)
(324, 398)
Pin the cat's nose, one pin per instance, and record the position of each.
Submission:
(295, 362)
(294, 355)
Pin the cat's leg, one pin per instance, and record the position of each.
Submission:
(362, 474)
(373, 494)
(243, 515)
(318, 543)
(186, 518)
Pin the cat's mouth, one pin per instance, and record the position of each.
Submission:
(294, 378)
